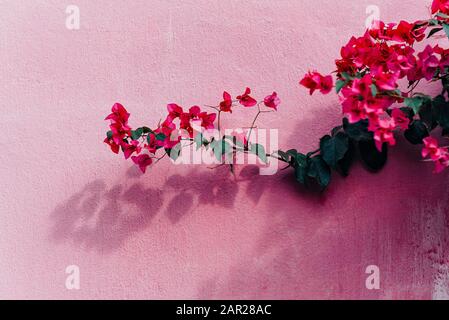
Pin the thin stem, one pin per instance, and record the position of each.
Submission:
(414, 86)
(253, 123)
(218, 121)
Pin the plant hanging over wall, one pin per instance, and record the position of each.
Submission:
(375, 80)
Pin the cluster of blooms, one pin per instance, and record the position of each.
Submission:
(439, 155)
(178, 125)
(371, 67)
(368, 81)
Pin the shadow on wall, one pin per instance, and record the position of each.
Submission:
(314, 245)
(318, 246)
(102, 218)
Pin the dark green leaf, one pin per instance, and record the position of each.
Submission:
(345, 163)
(283, 155)
(427, 114)
(433, 31)
(371, 157)
(146, 130)
(259, 150)
(161, 137)
(357, 131)
(432, 22)
(333, 149)
(339, 85)
(292, 152)
(441, 108)
(415, 102)
(446, 29)
(445, 133)
(136, 134)
(301, 164)
(175, 152)
(416, 132)
(320, 171)
(109, 135)
(220, 148)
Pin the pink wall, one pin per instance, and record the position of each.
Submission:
(67, 200)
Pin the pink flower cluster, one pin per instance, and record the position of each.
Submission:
(440, 6)
(372, 66)
(315, 81)
(179, 124)
(439, 155)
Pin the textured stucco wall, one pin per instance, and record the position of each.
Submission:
(65, 199)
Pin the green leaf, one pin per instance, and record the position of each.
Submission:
(259, 150)
(371, 157)
(301, 165)
(416, 132)
(357, 131)
(433, 31)
(174, 152)
(333, 149)
(374, 90)
(198, 140)
(320, 171)
(220, 148)
(415, 102)
(428, 114)
(293, 153)
(136, 134)
(161, 137)
(445, 133)
(347, 76)
(442, 15)
(109, 135)
(446, 29)
(339, 85)
(432, 22)
(283, 155)
(146, 130)
(441, 109)
(235, 142)
(345, 163)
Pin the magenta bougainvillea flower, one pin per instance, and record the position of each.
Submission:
(130, 148)
(246, 100)
(427, 63)
(226, 104)
(316, 81)
(119, 125)
(383, 133)
(272, 101)
(114, 147)
(400, 119)
(143, 161)
(440, 156)
(118, 115)
(440, 5)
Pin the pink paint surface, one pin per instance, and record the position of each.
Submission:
(187, 231)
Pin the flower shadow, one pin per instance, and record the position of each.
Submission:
(102, 218)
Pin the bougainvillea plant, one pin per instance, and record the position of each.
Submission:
(375, 80)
